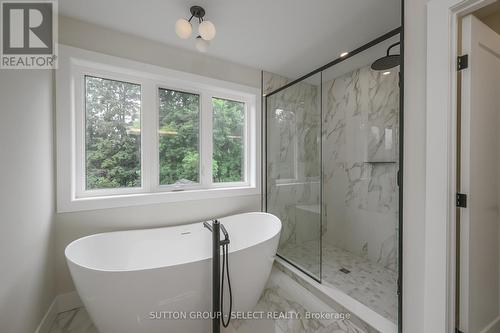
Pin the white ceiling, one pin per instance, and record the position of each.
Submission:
(287, 37)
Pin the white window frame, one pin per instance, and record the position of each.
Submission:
(157, 187)
(75, 64)
(246, 141)
(80, 135)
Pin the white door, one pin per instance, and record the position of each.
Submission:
(480, 179)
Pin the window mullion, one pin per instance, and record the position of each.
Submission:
(80, 173)
(206, 140)
(149, 143)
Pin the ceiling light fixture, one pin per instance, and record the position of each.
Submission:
(386, 73)
(343, 54)
(206, 29)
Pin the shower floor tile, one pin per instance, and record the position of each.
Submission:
(366, 281)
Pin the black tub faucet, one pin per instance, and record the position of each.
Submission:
(207, 225)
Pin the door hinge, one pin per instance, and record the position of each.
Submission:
(461, 200)
(463, 62)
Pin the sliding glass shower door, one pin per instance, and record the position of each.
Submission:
(293, 153)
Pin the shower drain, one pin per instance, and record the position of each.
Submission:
(345, 270)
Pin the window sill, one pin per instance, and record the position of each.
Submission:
(138, 199)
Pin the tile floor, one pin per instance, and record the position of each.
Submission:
(368, 282)
(283, 295)
(73, 321)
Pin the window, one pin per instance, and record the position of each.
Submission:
(179, 129)
(130, 133)
(112, 134)
(228, 141)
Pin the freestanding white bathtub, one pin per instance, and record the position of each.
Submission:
(158, 280)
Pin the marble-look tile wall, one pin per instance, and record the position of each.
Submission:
(360, 163)
(293, 165)
(271, 82)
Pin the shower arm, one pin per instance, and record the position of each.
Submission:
(390, 47)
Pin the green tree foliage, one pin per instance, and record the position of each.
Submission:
(179, 137)
(228, 132)
(113, 140)
(113, 157)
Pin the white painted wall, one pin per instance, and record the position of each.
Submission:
(414, 166)
(27, 204)
(493, 21)
(70, 226)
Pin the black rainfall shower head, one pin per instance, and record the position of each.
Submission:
(387, 62)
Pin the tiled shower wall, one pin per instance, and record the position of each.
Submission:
(360, 163)
(293, 163)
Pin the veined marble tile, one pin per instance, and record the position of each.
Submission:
(293, 160)
(272, 82)
(73, 321)
(275, 298)
(312, 286)
(360, 143)
(368, 282)
(360, 154)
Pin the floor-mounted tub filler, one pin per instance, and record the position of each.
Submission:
(159, 280)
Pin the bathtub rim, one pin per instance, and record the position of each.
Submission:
(69, 260)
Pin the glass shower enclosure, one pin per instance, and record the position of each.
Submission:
(332, 161)
(294, 171)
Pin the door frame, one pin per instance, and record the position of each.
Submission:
(441, 160)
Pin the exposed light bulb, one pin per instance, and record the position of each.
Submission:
(343, 54)
(207, 30)
(201, 44)
(183, 28)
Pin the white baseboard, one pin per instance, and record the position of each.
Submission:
(61, 303)
(493, 327)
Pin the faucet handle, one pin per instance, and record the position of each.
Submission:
(207, 225)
